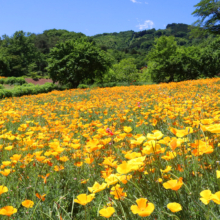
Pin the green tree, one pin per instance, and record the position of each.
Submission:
(162, 62)
(210, 59)
(3, 65)
(208, 12)
(126, 70)
(19, 52)
(168, 62)
(77, 62)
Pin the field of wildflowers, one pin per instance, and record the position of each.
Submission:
(138, 152)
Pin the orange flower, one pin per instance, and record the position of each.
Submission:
(45, 177)
(83, 199)
(84, 181)
(41, 197)
(143, 208)
(78, 164)
(173, 184)
(8, 210)
(118, 192)
(58, 168)
(27, 203)
(5, 172)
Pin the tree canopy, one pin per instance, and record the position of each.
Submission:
(208, 13)
(77, 61)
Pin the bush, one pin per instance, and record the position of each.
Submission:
(13, 80)
(82, 86)
(29, 89)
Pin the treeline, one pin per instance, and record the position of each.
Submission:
(28, 54)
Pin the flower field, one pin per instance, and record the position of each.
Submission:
(138, 152)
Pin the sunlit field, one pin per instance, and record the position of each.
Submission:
(138, 152)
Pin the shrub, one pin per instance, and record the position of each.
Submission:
(13, 80)
(82, 86)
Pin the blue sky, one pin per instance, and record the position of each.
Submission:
(92, 16)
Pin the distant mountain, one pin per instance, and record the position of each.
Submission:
(142, 40)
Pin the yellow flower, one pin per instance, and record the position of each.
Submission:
(83, 199)
(127, 129)
(58, 168)
(97, 187)
(168, 168)
(5, 172)
(174, 207)
(155, 136)
(218, 173)
(142, 208)
(124, 168)
(9, 148)
(8, 210)
(173, 184)
(216, 197)
(111, 179)
(206, 196)
(107, 212)
(213, 128)
(181, 133)
(27, 203)
(137, 163)
(3, 189)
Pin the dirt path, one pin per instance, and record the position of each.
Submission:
(39, 81)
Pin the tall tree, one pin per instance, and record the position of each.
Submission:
(19, 52)
(162, 59)
(208, 12)
(77, 61)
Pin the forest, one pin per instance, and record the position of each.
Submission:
(178, 52)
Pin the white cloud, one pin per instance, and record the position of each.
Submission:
(147, 24)
(135, 1)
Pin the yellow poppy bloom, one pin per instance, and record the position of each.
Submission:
(107, 212)
(143, 208)
(174, 207)
(83, 199)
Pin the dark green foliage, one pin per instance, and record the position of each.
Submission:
(169, 62)
(176, 28)
(208, 12)
(13, 80)
(82, 86)
(19, 52)
(77, 61)
(49, 38)
(27, 54)
(29, 89)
